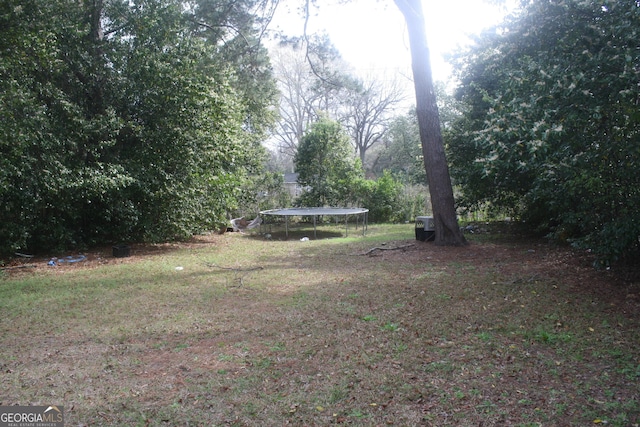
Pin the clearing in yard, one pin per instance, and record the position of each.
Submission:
(507, 331)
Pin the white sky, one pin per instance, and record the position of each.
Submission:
(371, 35)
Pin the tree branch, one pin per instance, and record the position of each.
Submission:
(387, 249)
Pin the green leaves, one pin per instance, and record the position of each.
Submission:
(326, 165)
(550, 133)
(120, 121)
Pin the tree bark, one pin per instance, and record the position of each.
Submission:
(447, 231)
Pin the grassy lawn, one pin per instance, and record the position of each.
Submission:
(265, 332)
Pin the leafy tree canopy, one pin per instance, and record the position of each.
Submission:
(401, 153)
(326, 165)
(551, 131)
(126, 119)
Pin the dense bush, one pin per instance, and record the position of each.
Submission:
(551, 130)
(382, 197)
(126, 120)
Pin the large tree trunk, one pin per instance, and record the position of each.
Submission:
(440, 189)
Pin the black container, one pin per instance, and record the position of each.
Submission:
(121, 251)
(425, 235)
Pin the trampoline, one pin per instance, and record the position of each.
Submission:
(315, 212)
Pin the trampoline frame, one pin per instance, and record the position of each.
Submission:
(315, 212)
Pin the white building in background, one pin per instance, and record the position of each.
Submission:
(291, 184)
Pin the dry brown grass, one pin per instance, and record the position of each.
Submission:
(504, 332)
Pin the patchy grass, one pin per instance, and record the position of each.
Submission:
(255, 332)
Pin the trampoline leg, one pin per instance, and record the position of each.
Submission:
(365, 222)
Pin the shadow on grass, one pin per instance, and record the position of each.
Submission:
(298, 230)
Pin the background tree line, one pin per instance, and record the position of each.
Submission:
(315, 82)
(343, 135)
